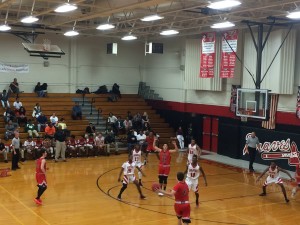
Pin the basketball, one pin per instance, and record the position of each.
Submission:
(155, 186)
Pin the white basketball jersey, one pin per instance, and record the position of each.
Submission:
(193, 172)
(128, 168)
(273, 173)
(192, 150)
(137, 156)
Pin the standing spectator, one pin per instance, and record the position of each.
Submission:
(31, 129)
(180, 137)
(39, 90)
(49, 131)
(3, 151)
(9, 130)
(111, 120)
(54, 119)
(76, 111)
(14, 87)
(4, 99)
(116, 90)
(250, 146)
(15, 152)
(9, 115)
(21, 118)
(17, 105)
(41, 122)
(60, 147)
(36, 112)
(90, 130)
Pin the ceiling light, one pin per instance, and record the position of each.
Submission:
(151, 18)
(222, 25)
(67, 7)
(71, 33)
(224, 4)
(129, 37)
(294, 15)
(169, 32)
(4, 27)
(29, 19)
(105, 26)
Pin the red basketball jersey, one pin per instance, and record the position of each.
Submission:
(165, 157)
(182, 192)
(38, 169)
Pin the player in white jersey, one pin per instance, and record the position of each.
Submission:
(137, 159)
(193, 171)
(129, 177)
(274, 177)
(193, 149)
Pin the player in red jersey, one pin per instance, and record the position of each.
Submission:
(274, 177)
(40, 175)
(71, 147)
(297, 178)
(81, 144)
(91, 145)
(182, 205)
(164, 163)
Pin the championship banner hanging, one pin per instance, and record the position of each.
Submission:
(207, 57)
(228, 52)
(298, 104)
(9, 68)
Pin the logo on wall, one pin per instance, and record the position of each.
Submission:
(284, 149)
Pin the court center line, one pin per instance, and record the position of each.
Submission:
(11, 214)
(25, 206)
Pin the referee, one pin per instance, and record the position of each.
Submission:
(250, 146)
(15, 151)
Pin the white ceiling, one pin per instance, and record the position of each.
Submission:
(189, 17)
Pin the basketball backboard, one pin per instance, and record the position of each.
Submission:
(45, 50)
(252, 103)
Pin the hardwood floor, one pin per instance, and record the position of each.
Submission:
(83, 191)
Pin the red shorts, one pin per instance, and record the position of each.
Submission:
(163, 170)
(41, 179)
(183, 210)
(150, 148)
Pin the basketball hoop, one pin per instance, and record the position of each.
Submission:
(244, 119)
(47, 45)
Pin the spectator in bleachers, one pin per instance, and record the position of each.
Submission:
(41, 122)
(145, 118)
(21, 118)
(39, 90)
(81, 144)
(49, 131)
(17, 105)
(9, 115)
(109, 141)
(3, 151)
(14, 87)
(129, 115)
(38, 145)
(111, 121)
(31, 129)
(99, 141)
(76, 112)
(37, 110)
(116, 90)
(4, 99)
(141, 138)
(28, 147)
(60, 147)
(137, 122)
(48, 145)
(90, 129)
(119, 125)
(146, 127)
(10, 129)
(91, 145)
(54, 119)
(71, 147)
(64, 127)
(127, 124)
(131, 141)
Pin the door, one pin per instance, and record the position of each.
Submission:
(210, 133)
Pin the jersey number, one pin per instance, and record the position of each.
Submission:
(193, 174)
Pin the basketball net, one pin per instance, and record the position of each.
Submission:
(47, 45)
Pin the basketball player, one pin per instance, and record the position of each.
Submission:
(129, 177)
(193, 171)
(90, 145)
(182, 205)
(71, 146)
(81, 144)
(40, 174)
(150, 139)
(273, 177)
(193, 149)
(137, 159)
(164, 163)
(297, 178)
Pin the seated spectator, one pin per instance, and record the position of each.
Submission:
(141, 138)
(63, 125)
(110, 140)
(48, 145)
(76, 112)
(49, 131)
(99, 141)
(91, 145)
(54, 119)
(40, 90)
(116, 90)
(3, 150)
(10, 128)
(129, 115)
(131, 141)
(119, 126)
(145, 118)
(90, 129)
(41, 122)
(38, 144)
(14, 87)
(9, 115)
(72, 147)
(146, 127)
(127, 125)
(4, 99)
(17, 105)
(81, 144)
(137, 122)
(37, 110)
(31, 129)
(111, 121)
(21, 118)
(28, 147)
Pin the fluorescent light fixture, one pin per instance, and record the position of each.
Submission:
(4, 27)
(67, 7)
(105, 26)
(129, 37)
(71, 33)
(29, 19)
(294, 15)
(222, 25)
(169, 32)
(224, 4)
(152, 18)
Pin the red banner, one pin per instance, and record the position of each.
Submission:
(207, 58)
(228, 58)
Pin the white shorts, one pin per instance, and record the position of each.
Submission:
(270, 180)
(138, 164)
(128, 179)
(192, 183)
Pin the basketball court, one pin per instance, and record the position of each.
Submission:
(83, 191)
